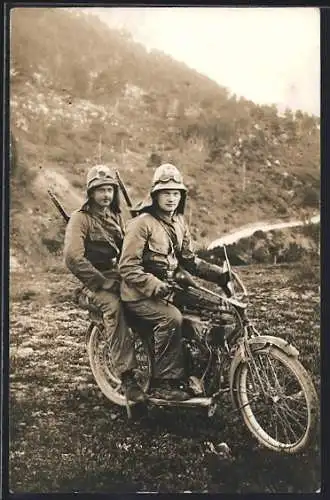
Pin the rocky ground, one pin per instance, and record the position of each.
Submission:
(65, 436)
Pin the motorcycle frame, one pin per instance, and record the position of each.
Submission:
(240, 351)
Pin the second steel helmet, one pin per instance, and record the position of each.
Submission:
(167, 176)
(100, 175)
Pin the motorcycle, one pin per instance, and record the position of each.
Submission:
(224, 353)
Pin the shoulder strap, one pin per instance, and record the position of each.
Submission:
(106, 235)
(172, 236)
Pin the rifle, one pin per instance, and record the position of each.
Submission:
(124, 190)
(58, 205)
(122, 186)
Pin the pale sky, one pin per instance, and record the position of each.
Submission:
(268, 55)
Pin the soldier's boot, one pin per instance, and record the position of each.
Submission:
(170, 390)
(133, 393)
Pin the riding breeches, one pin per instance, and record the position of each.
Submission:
(117, 331)
(165, 321)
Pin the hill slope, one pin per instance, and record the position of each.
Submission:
(81, 93)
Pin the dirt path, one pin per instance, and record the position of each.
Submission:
(65, 436)
(246, 231)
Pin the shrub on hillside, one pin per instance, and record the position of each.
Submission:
(312, 231)
(293, 253)
(311, 197)
(307, 270)
(154, 161)
(21, 173)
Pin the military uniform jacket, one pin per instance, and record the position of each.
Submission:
(92, 246)
(148, 254)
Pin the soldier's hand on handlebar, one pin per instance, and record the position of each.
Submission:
(111, 285)
(163, 290)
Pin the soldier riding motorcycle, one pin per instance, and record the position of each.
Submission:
(157, 241)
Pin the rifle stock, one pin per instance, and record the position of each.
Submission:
(58, 205)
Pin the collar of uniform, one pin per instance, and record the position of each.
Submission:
(105, 213)
(87, 206)
(166, 218)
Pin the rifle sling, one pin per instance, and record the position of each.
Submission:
(107, 236)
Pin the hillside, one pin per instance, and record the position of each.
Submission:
(81, 93)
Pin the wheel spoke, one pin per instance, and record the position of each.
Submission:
(286, 422)
(283, 425)
(293, 414)
(103, 367)
(273, 399)
(298, 413)
(256, 376)
(294, 397)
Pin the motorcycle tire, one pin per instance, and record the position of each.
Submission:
(277, 400)
(103, 372)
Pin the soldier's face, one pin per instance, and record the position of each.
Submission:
(103, 195)
(168, 199)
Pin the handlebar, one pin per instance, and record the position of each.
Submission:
(183, 281)
(234, 301)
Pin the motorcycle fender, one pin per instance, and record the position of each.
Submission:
(256, 343)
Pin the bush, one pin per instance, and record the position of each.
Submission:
(312, 231)
(261, 254)
(22, 175)
(294, 253)
(53, 245)
(306, 271)
(261, 235)
(311, 197)
(154, 161)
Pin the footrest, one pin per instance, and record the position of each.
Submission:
(196, 401)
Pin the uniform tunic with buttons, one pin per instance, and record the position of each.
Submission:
(92, 245)
(148, 253)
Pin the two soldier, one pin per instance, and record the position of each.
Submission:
(134, 269)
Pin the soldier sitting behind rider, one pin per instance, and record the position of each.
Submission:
(157, 241)
(93, 242)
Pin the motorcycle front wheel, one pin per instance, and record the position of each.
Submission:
(277, 400)
(100, 360)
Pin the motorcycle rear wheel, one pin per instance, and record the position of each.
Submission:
(277, 400)
(101, 365)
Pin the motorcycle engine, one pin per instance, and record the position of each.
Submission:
(196, 354)
(195, 357)
(223, 329)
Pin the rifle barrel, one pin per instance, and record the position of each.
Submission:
(124, 190)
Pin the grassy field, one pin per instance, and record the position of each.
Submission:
(65, 436)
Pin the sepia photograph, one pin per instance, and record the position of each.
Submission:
(164, 275)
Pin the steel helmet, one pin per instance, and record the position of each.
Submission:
(100, 175)
(167, 176)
